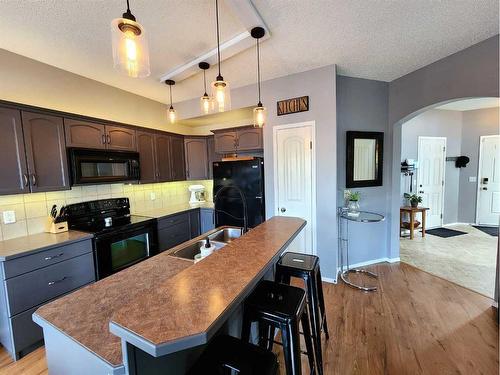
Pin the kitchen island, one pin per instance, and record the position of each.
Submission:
(155, 317)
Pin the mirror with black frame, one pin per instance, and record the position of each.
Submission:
(364, 159)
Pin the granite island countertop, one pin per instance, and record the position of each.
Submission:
(161, 322)
(21, 246)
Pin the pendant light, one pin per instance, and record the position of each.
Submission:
(171, 110)
(206, 102)
(130, 46)
(220, 88)
(259, 112)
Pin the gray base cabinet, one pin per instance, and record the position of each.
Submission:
(32, 280)
(207, 219)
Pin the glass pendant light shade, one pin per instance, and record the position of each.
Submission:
(130, 47)
(206, 104)
(221, 94)
(259, 116)
(171, 115)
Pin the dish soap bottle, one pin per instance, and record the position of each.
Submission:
(207, 248)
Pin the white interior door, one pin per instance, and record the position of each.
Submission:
(431, 164)
(488, 202)
(294, 180)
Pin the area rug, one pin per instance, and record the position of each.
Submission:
(492, 231)
(444, 232)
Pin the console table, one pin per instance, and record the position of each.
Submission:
(344, 218)
(412, 211)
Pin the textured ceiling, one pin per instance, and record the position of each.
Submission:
(376, 39)
(471, 104)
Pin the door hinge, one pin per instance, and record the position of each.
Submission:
(441, 216)
(310, 145)
(442, 183)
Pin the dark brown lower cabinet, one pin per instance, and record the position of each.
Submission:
(196, 155)
(45, 152)
(13, 168)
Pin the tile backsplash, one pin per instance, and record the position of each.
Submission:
(32, 209)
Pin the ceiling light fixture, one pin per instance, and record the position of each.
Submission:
(130, 46)
(206, 102)
(220, 88)
(259, 112)
(171, 110)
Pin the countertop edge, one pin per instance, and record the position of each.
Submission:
(203, 337)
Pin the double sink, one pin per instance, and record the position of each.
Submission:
(219, 238)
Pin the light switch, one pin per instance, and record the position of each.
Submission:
(473, 179)
(9, 217)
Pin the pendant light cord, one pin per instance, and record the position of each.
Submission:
(170, 86)
(218, 40)
(205, 82)
(128, 7)
(258, 70)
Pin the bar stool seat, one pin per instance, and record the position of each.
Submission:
(307, 268)
(280, 306)
(226, 355)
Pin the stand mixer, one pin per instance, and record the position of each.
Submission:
(197, 194)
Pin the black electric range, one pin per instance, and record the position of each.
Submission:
(120, 239)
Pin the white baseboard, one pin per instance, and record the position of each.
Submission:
(374, 261)
(450, 224)
(329, 280)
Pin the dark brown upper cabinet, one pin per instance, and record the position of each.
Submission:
(84, 134)
(196, 155)
(177, 158)
(163, 165)
(212, 156)
(147, 155)
(92, 135)
(13, 167)
(249, 139)
(45, 152)
(120, 138)
(238, 139)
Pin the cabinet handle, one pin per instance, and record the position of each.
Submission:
(33, 179)
(50, 283)
(54, 256)
(108, 137)
(26, 181)
(103, 139)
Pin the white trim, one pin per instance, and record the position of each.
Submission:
(478, 178)
(374, 261)
(451, 224)
(443, 186)
(311, 124)
(328, 280)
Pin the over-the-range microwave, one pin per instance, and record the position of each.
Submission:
(90, 166)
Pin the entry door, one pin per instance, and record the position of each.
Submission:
(294, 180)
(488, 207)
(431, 159)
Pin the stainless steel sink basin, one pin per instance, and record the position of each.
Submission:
(219, 239)
(226, 235)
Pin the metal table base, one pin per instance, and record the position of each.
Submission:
(345, 270)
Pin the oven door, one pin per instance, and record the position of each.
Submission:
(98, 166)
(120, 249)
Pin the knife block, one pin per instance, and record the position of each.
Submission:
(52, 227)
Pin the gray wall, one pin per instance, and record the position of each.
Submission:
(475, 124)
(362, 105)
(319, 84)
(472, 72)
(436, 123)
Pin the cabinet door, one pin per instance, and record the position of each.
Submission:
(212, 156)
(249, 139)
(225, 143)
(147, 157)
(196, 156)
(177, 158)
(45, 152)
(12, 153)
(194, 223)
(84, 134)
(207, 219)
(163, 165)
(121, 138)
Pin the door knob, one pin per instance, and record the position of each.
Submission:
(485, 188)
(283, 209)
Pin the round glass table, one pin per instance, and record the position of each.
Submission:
(344, 217)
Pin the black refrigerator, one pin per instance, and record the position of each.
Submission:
(239, 176)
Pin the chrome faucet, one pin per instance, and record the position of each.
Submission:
(243, 200)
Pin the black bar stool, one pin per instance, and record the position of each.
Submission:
(280, 306)
(306, 267)
(226, 355)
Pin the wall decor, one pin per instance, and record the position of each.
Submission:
(364, 159)
(294, 105)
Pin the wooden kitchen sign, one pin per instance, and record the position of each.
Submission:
(294, 105)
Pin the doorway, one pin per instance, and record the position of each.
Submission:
(431, 177)
(295, 179)
(488, 184)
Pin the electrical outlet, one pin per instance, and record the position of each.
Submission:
(152, 196)
(473, 179)
(9, 217)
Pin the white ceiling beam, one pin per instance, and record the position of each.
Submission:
(249, 17)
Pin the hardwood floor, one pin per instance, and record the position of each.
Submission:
(415, 323)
